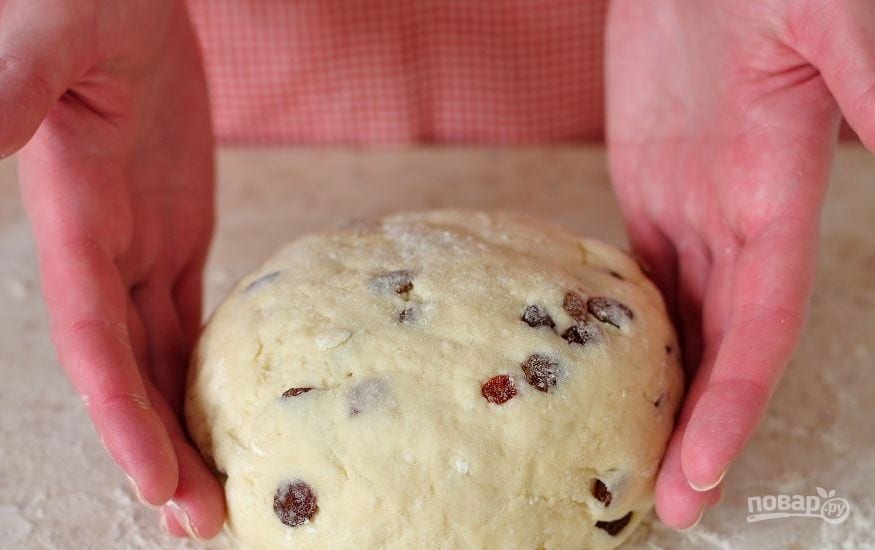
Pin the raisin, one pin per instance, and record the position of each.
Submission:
(367, 395)
(264, 280)
(295, 503)
(499, 389)
(536, 316)
(613, 528)
(608, 310)
(295, 392)
(541, 372)
(399, 282)
(600, 492)
(668, 349)
(582, 333)
(574, 305)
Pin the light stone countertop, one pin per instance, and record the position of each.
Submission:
(59, 490)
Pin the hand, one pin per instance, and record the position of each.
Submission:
(118, 183)
(722, 119)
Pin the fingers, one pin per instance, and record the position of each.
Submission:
(171, 525)
(770, 284)
(188, 295)
(39, 60)
(87, 304)
(840, 42)
(678, 505)
(198, 504)
(167, 354)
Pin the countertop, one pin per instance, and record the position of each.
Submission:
(59, 490)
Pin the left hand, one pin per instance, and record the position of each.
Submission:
(722, 121)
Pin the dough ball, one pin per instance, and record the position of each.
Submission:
(437, 380)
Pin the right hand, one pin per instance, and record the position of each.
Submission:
(117, 178)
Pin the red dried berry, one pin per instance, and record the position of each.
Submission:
(541, 372)
(294, 503)
(295, 392)
(574, 305)
(499, 389)
(582, 333)
(608, 310)
(613, 528)
(536, 316)
(600, 492)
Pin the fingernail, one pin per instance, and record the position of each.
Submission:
(181, 517)
(698, 519)
(136, 490)
(708, 487)
(163, 523)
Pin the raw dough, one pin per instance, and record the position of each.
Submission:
(438, 380)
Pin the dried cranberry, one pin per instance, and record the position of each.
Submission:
(499, 389)
(600, 492)
(582, 333)
(295, 392)
(574, 305)
(613, 528)
(536, 316)
(608, 310)
(295, 503)
(541, 372)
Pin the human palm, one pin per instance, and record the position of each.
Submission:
(118, 182)
(721, 127)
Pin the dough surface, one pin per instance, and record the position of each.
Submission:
(445, 379)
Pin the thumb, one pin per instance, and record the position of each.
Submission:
(40, 45)
(839, 40)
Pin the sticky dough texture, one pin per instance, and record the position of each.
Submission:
(428, 462)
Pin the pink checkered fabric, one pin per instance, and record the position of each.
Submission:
(400, 71)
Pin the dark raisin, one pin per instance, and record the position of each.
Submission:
(407, 315)
(295, 503)
(264, 280)
(541, 372)
(574, 305)
(295, 392)
(536, 316)
(600, 492)
(613, 528)
(608, 310)
(582, 333)
(367, 395)
(499, 389)
(399, 282)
